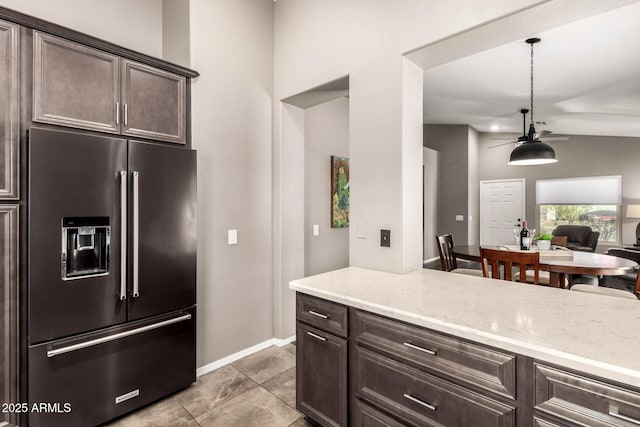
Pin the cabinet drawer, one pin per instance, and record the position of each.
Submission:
(422, 399)
(323, 314)
(472, 364)
(582, 400)
(368, 416)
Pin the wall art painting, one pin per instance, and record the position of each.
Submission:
(339, 192)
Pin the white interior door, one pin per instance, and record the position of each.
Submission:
(501, 204)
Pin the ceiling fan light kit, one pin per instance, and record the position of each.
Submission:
(532, 151)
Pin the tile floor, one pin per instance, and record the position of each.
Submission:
(258, 390)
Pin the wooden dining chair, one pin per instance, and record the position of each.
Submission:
(499, 264)
(448, 260)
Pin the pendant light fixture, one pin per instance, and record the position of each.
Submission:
(532, 151)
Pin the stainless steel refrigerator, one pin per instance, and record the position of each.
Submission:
(111, 275)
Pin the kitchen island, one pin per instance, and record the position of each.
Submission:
(522, 354)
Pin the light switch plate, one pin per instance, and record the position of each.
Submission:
(362, 230)
(316, 229)
(232, 237)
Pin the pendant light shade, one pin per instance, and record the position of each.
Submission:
(532, 151)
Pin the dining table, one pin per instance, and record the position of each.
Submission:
(563, 263)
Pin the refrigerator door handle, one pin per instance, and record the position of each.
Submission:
(135, 212)
(123, 235)
(90, 343)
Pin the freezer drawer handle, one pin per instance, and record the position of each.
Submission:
(114, 337)
(123, 235)
(135, 231)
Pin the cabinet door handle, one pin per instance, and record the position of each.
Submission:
(422, 349)
(117, 113)
(420, 402)
(316, 336)
(614, 413)
(315, 313)
(126, 114)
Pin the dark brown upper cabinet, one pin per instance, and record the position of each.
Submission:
(75, 85)
(9, 110)
(82, 87)
(153, 102)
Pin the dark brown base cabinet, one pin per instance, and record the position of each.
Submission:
(321, 361)
(399, 374)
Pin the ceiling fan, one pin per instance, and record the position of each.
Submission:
(543, 135)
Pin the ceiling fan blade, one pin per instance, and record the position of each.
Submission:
(504, 143)
(554, 138)
(502, 138)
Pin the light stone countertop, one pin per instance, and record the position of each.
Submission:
(596, 334)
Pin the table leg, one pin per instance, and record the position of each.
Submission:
(555, 279)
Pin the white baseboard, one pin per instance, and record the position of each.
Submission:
(285, 341)
(430, 259)
(242, 353)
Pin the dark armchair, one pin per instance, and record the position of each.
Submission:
(579, 237)
(625, 281)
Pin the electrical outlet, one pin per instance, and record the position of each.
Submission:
(385, 238)
(316, 229)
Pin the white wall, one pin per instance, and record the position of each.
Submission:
(232, 48)
(175, 32)
(326, 134)
(136, 25)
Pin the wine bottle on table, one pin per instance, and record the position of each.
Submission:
(525, 237)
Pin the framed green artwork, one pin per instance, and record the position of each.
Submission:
(339, 192)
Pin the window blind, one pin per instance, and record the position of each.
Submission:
(593, 190)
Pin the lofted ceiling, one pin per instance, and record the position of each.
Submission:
(586, 81)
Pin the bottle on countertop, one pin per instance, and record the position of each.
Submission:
(525, 237)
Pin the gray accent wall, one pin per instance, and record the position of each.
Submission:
(430, 202)
(326, 133)
(452, 144)
(580, 156)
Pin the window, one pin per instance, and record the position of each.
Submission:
(602, 218)
(593, 201)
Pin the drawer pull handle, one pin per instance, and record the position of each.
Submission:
(316, 336)
(614, 413)
(420, 402)
(422, 349)
(315, 313)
